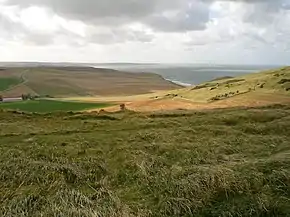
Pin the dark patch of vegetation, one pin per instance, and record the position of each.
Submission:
(91, 116)
(45, 106)
(222, 78)
(171, 95)
(48, 96)
(279, 74)
(203, 86)
(232, 162)
(224, 96)
(261, 85)
(286, 86)
(233, 81)
(283, 81)
(276, 106)
(6, 83)
(28, 97)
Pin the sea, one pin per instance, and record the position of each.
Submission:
(189, 74)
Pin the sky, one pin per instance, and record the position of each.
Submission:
(146, 31)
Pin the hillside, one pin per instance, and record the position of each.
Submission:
(255, 89)
(78, 81)
(250, 85)
(218, 163)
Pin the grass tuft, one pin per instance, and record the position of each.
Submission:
(233, 162)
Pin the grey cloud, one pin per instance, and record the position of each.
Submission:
(92, 9)
(17, 31)
(38, 39)
(264, 18)
(115, 13)
(9, 27)
(160, 15)
(119, 36)
(13, 30)
(263, 13)
(260, 12)
(152, 12)
(246, 1)
(194, 17)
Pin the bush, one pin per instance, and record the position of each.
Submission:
(283, 81)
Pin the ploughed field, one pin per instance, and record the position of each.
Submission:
(231, 162)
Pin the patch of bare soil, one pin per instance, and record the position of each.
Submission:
(183, 104)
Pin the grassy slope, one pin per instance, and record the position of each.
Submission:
(18, 86)
(89, 81)
(6, 83)
(220, 163)
(50, 106)
(256, 89)
(9, 78)
(266, 82)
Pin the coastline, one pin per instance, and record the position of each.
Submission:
(180, 83)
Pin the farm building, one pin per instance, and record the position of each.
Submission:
(12, 99)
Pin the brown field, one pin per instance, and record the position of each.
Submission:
(146, 103)
(82, 81)
(11, 72)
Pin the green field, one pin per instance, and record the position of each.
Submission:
(217, 163)
(6, 83)
(44, 106)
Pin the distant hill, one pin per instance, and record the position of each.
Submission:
(71, 80)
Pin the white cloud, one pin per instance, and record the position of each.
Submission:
(146, 30)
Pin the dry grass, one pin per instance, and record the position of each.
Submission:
(257, 89)
(232, 162)
(145, 103)
(251, 85)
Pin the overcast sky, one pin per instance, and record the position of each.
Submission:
(167, 31)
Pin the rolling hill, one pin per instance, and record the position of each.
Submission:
(256, 89)
(78, 81)
(267, 82)
(266, 87)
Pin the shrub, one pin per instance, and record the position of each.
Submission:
(283, 81)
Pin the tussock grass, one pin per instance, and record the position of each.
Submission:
(233, 162)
